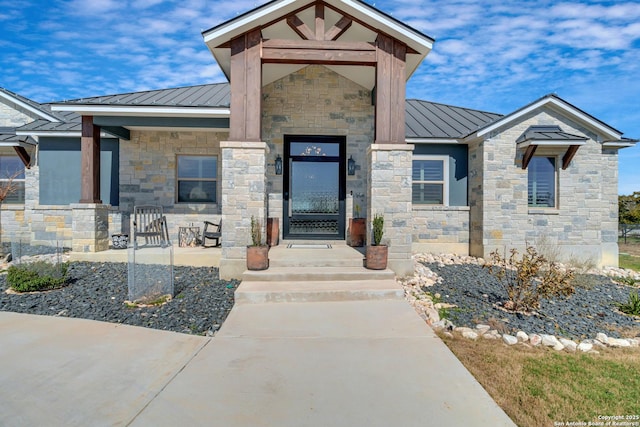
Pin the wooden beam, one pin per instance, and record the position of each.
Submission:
(317, 44)
(390, 91)
(300, 28)
(568, 156)
(398, 92)
(24, 156)
(246, 87)
(318, 56)
(528, 154)
(319, 21)
(339, 29)
(90, 162)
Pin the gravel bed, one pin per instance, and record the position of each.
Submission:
(591, 309)
(97, 291)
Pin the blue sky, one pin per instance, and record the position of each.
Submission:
(488, 55)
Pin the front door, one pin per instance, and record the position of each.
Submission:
(314, 180)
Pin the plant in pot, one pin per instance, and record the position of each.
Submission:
(258, 251)
(376, 255)
(357, 228)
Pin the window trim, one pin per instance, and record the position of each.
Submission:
(21, 182)
(555, 184)
(445, 177)
(178, 179)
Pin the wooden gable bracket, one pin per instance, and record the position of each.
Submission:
(24, 156)
(568, 156)
(528, 154)
(305, 33)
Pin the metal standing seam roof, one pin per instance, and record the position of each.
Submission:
(209, 95)
(426, 119)
(43, 108)
(547, 133)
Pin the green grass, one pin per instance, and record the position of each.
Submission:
(593, 385)
(539, 386)
(629, 261)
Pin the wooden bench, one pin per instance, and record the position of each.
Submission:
(150, 223)
(212, 231)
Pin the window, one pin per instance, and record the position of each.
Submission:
(197, 179)
(12, 179)
(542, 182)
(430, 180)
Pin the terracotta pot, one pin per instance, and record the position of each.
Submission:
(257, 257)
(376, 258)
(357, 227)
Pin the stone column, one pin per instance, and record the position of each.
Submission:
(90, 225)
(244, 168)
(389, 194)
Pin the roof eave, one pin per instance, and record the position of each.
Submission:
(554, 102)
(141, 111)
(37, 111)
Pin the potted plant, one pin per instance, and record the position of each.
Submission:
(376, 257)
(258, 251)
(357, 228)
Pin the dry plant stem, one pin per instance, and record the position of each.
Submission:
(528, 278)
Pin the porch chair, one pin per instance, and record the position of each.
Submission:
(150, 223)
(214, 233)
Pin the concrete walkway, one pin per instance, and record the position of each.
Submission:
(341, 363)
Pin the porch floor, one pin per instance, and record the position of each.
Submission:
(190, 256)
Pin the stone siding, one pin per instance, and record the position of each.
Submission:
(12, 117)
(583, 225)
(441, 229)
(148, 176)
(243, 197)
(317, 101)
(389, 189)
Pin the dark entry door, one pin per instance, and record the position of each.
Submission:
(314, 187)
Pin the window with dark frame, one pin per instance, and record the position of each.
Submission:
(429, 177)
(197, 179)
(12, 175)
(542, 182)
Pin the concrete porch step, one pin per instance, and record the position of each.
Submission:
(312, 254)
(257, 292)
(316, 274)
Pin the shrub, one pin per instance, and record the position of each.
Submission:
(256, 232)
(528, 278)
(36, 276)
(632, 306)
(378, 229)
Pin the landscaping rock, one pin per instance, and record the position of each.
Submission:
(470, 335)
(535, 340)
(569, 345)
(602, 338)
(509, 339)
(585, 346)
(550, 341)
(522, 336)
(618, 342)
(483, 329)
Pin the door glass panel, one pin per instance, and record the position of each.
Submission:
(314, 198)
(315, 149)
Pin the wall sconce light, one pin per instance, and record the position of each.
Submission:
(351, 166)
(278, 165)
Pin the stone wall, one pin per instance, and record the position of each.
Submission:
(583, 226)
(11, 117)
(441, 229)
(148, 176)
(317, 101)
(389, 189)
